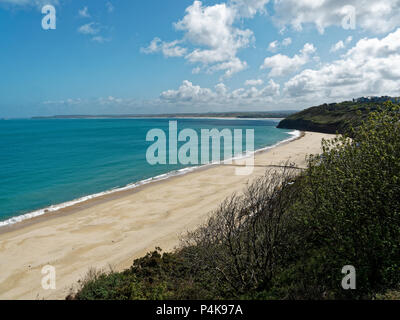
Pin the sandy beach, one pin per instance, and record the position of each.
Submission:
(115, 229)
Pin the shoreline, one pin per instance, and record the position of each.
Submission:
(116, 229)
(31, 217)
(147, 118)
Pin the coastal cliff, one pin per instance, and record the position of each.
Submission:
(332, 118)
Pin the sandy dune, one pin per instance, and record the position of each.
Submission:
(117, 228)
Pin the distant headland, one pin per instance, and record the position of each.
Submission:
(335, 117)
(238, 114)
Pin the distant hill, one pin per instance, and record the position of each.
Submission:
(239, 115)
(334, 117)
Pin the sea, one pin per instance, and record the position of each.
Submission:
(49, 164)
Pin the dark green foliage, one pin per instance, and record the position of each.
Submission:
(330, 118)
(350, 207)
(289, 235)
(103, 286)
(156, 276)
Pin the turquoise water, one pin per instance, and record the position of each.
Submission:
(49, 162)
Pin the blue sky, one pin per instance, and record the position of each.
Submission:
(158, 56)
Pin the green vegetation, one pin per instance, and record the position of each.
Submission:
(290, 234)
(330, 118)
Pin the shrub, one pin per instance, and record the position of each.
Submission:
(350, 209)
(243, 242)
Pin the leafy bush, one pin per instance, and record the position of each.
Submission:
(350, 207)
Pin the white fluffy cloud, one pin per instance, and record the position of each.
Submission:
(282, 65)
(169, 49)
(287, 42)
(378, 16)
(190, 94)
(249, 8)
(84, 12)
(212, 32)
(275, 45)
(89, 28)
(341, 44)
(371, 67)
(93, 29)
(255, 82)
(230, 67)
(100, 39)
(338, 46)
(211, 28)
(37, 3)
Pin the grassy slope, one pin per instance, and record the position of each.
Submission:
(329, 118)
